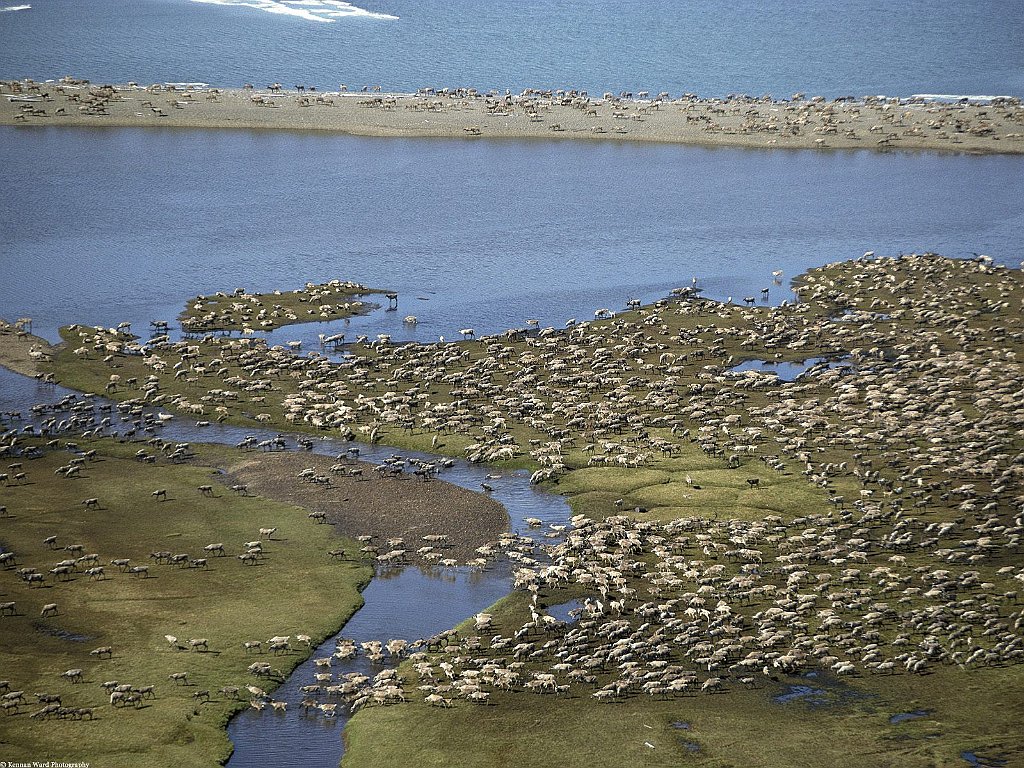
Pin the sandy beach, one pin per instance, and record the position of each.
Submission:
(802, 122)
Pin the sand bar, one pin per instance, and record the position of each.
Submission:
(20, 350)
(996, 126)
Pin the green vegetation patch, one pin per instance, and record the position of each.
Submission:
(224, 602)
(610, 480)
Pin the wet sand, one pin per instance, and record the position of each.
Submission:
(384, 507)
(22, 352)
(877, 123)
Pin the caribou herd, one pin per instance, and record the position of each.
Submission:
(909, 431)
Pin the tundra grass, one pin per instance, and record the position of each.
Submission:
(296, 588)
(844, 722)
(678, 491)
(968, 711)
(846, 727)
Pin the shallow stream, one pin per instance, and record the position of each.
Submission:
(400, 603)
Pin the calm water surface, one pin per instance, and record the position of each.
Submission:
(100, 226)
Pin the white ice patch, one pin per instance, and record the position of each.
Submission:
(15, 8)
(311, 10)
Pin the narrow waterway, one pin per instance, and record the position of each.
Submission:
(400, 603)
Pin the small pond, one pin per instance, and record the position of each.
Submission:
(567, 612)
(902, 717)
(982, 762)
(788, 370)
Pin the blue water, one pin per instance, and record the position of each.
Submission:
(982, 762)
(785, 371)
(825, 47)
(100, 226)
(562, 611)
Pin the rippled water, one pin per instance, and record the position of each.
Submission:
(833, 48)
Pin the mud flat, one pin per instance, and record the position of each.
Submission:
(370, 504)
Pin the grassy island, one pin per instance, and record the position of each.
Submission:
(255, 312)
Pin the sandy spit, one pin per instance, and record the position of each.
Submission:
(876, 123)
(21, 351)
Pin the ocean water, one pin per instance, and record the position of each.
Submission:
(98, 226)
(827, 47)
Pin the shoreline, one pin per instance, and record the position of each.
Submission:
(879, 124)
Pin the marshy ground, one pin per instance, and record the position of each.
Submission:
(136, 543)
(734, 532)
